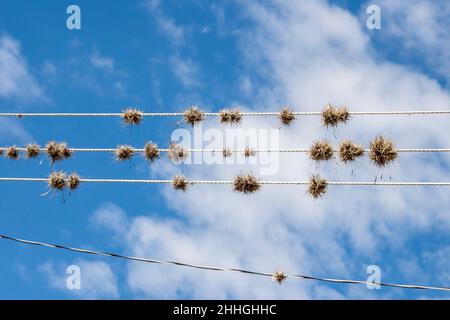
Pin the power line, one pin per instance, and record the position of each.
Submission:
(273, 182)
(214, 268)
(214, 150)
(179, 114)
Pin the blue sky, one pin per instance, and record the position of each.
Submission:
(165, 56)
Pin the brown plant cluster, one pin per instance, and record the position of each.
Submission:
(382, 151)
(151, 151)
(349, 151)
(333, 116)
(321, 151)
(124, 152)
(231, 116)
(179, 183)
(317, 186)
(286, 116)
(58, 151)
(246, 183)
(132, 116)
(193, 115)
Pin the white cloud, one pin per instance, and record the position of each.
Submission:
(16, 81)
(167, 239)
(13, 132)
(419, 27)
(49, 69)
(245, 85)
(111, 216)
(101, 62)
(440, 259)
(166, 25)
(23, 271)
(18, 84)
(96, 73)
(185, 70)
(97, 279)
(310, 53)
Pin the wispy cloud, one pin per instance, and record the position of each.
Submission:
(112, 217)
(13, 132)
(166, 24)
(17, 84)
(323, 57)
(418, 28)
(16, 81)
(102, 62)
(94, 72)
(185, 70)
(49, 69)
(97, 279)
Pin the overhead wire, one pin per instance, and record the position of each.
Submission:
(176, 114)
(214, 150)
(215, 268)
(266, 182)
